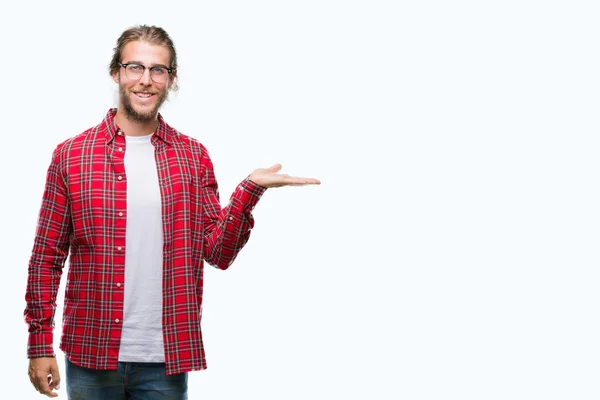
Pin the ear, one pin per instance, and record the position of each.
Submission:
(115, 76)
(171, 80)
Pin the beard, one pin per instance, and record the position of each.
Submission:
(142, 115)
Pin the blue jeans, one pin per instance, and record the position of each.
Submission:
(132, 380)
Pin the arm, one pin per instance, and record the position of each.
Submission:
(226, 230)
(50, 250)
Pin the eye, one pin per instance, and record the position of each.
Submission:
(158, 70)
(135, 67)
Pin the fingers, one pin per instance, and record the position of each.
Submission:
(55, 378)
(298, 181)
(44, 376)
(275, 168)
(42, 384)
(292, 181)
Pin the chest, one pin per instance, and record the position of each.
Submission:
(101, 178)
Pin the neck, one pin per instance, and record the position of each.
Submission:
(133, 127)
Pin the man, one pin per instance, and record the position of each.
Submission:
(136, 203)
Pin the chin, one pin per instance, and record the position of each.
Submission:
(147, 113)
(145, 109)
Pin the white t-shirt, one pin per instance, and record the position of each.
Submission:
(141, 338)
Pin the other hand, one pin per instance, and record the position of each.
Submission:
(269, 178)
(44, 375)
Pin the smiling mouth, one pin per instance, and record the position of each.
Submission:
(143, 95)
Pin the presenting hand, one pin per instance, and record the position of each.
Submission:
(269, 178)
(43, 374)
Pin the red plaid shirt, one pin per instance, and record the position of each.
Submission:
(84, 210)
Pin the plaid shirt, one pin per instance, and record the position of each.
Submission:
(84, 210)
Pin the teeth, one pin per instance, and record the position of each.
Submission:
(143, 94)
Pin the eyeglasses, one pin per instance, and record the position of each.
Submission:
(158, 74)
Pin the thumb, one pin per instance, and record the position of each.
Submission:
(55, 376)
(275, 168)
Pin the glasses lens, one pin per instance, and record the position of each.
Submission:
(134, 71)
(159, 74)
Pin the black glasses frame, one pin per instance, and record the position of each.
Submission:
(169, 70)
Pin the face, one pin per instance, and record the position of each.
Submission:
(140, 99)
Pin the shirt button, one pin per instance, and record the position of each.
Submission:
(118, 284)
(119, 248)
(119, 177)
(120, 149)
(120, 214)
(117, 320)
(231, 218)
(120, 133)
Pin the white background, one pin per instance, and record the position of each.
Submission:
(451, 251)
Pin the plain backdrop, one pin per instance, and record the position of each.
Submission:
(451, 251)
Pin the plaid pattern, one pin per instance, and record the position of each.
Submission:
(84, 211)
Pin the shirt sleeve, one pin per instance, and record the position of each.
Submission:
(226, 229)
(50, 250)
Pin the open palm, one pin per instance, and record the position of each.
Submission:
(270, 178)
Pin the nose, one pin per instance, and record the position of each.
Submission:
(145, 78)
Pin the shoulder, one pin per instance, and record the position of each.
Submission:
(189, 143)
(73, 145)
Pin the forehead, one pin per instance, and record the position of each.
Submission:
(146, 53)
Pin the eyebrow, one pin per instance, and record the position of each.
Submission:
(151, 66)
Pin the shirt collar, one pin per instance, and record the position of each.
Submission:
(112, 129)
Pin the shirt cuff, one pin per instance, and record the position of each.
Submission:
(40, 345)
(246, 195)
